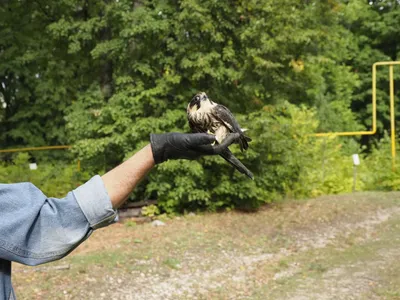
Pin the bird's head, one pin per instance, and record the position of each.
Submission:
(197, 101)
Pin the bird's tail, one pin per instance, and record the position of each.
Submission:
(230, 158)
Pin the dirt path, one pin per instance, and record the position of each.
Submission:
(336, 247)
(346, 281)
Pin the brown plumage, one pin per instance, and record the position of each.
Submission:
(207, 116)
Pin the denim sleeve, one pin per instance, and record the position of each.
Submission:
(35, 229)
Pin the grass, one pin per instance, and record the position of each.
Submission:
(173, 263)
(334, 245)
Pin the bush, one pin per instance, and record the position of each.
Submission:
(53, 179)
(284, 157)
(377, 172)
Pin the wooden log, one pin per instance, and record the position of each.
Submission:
(138, 204)
(129, 213)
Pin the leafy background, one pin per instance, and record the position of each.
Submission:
(103, 75)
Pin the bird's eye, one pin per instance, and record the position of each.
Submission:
(197, 98)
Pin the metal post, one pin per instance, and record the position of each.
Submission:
(374, 98)
(34, 149)
(356, 162)
(392, 118)
(40, 149)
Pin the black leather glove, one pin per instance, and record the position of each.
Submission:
(186, 145)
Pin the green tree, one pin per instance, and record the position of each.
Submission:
(33, 82)
(375, 34)
(103, 75)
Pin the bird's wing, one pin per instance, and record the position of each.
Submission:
(222, 114)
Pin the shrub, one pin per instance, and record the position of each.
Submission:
(150, 211)
(286, 159)
(283, 156)
(53, 179)
(377, 171)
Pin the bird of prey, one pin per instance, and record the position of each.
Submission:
(207, 116)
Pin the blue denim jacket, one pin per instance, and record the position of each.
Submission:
(35, 229)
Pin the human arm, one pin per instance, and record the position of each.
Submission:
(36, 229)
(121, 181)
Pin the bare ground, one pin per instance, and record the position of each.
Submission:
(336, 247)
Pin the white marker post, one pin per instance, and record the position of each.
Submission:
(356, 162)
(33, 166)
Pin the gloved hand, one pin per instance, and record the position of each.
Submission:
(187, 145)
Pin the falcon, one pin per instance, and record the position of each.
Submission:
(207, 116)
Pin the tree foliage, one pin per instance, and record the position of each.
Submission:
(103, 75)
